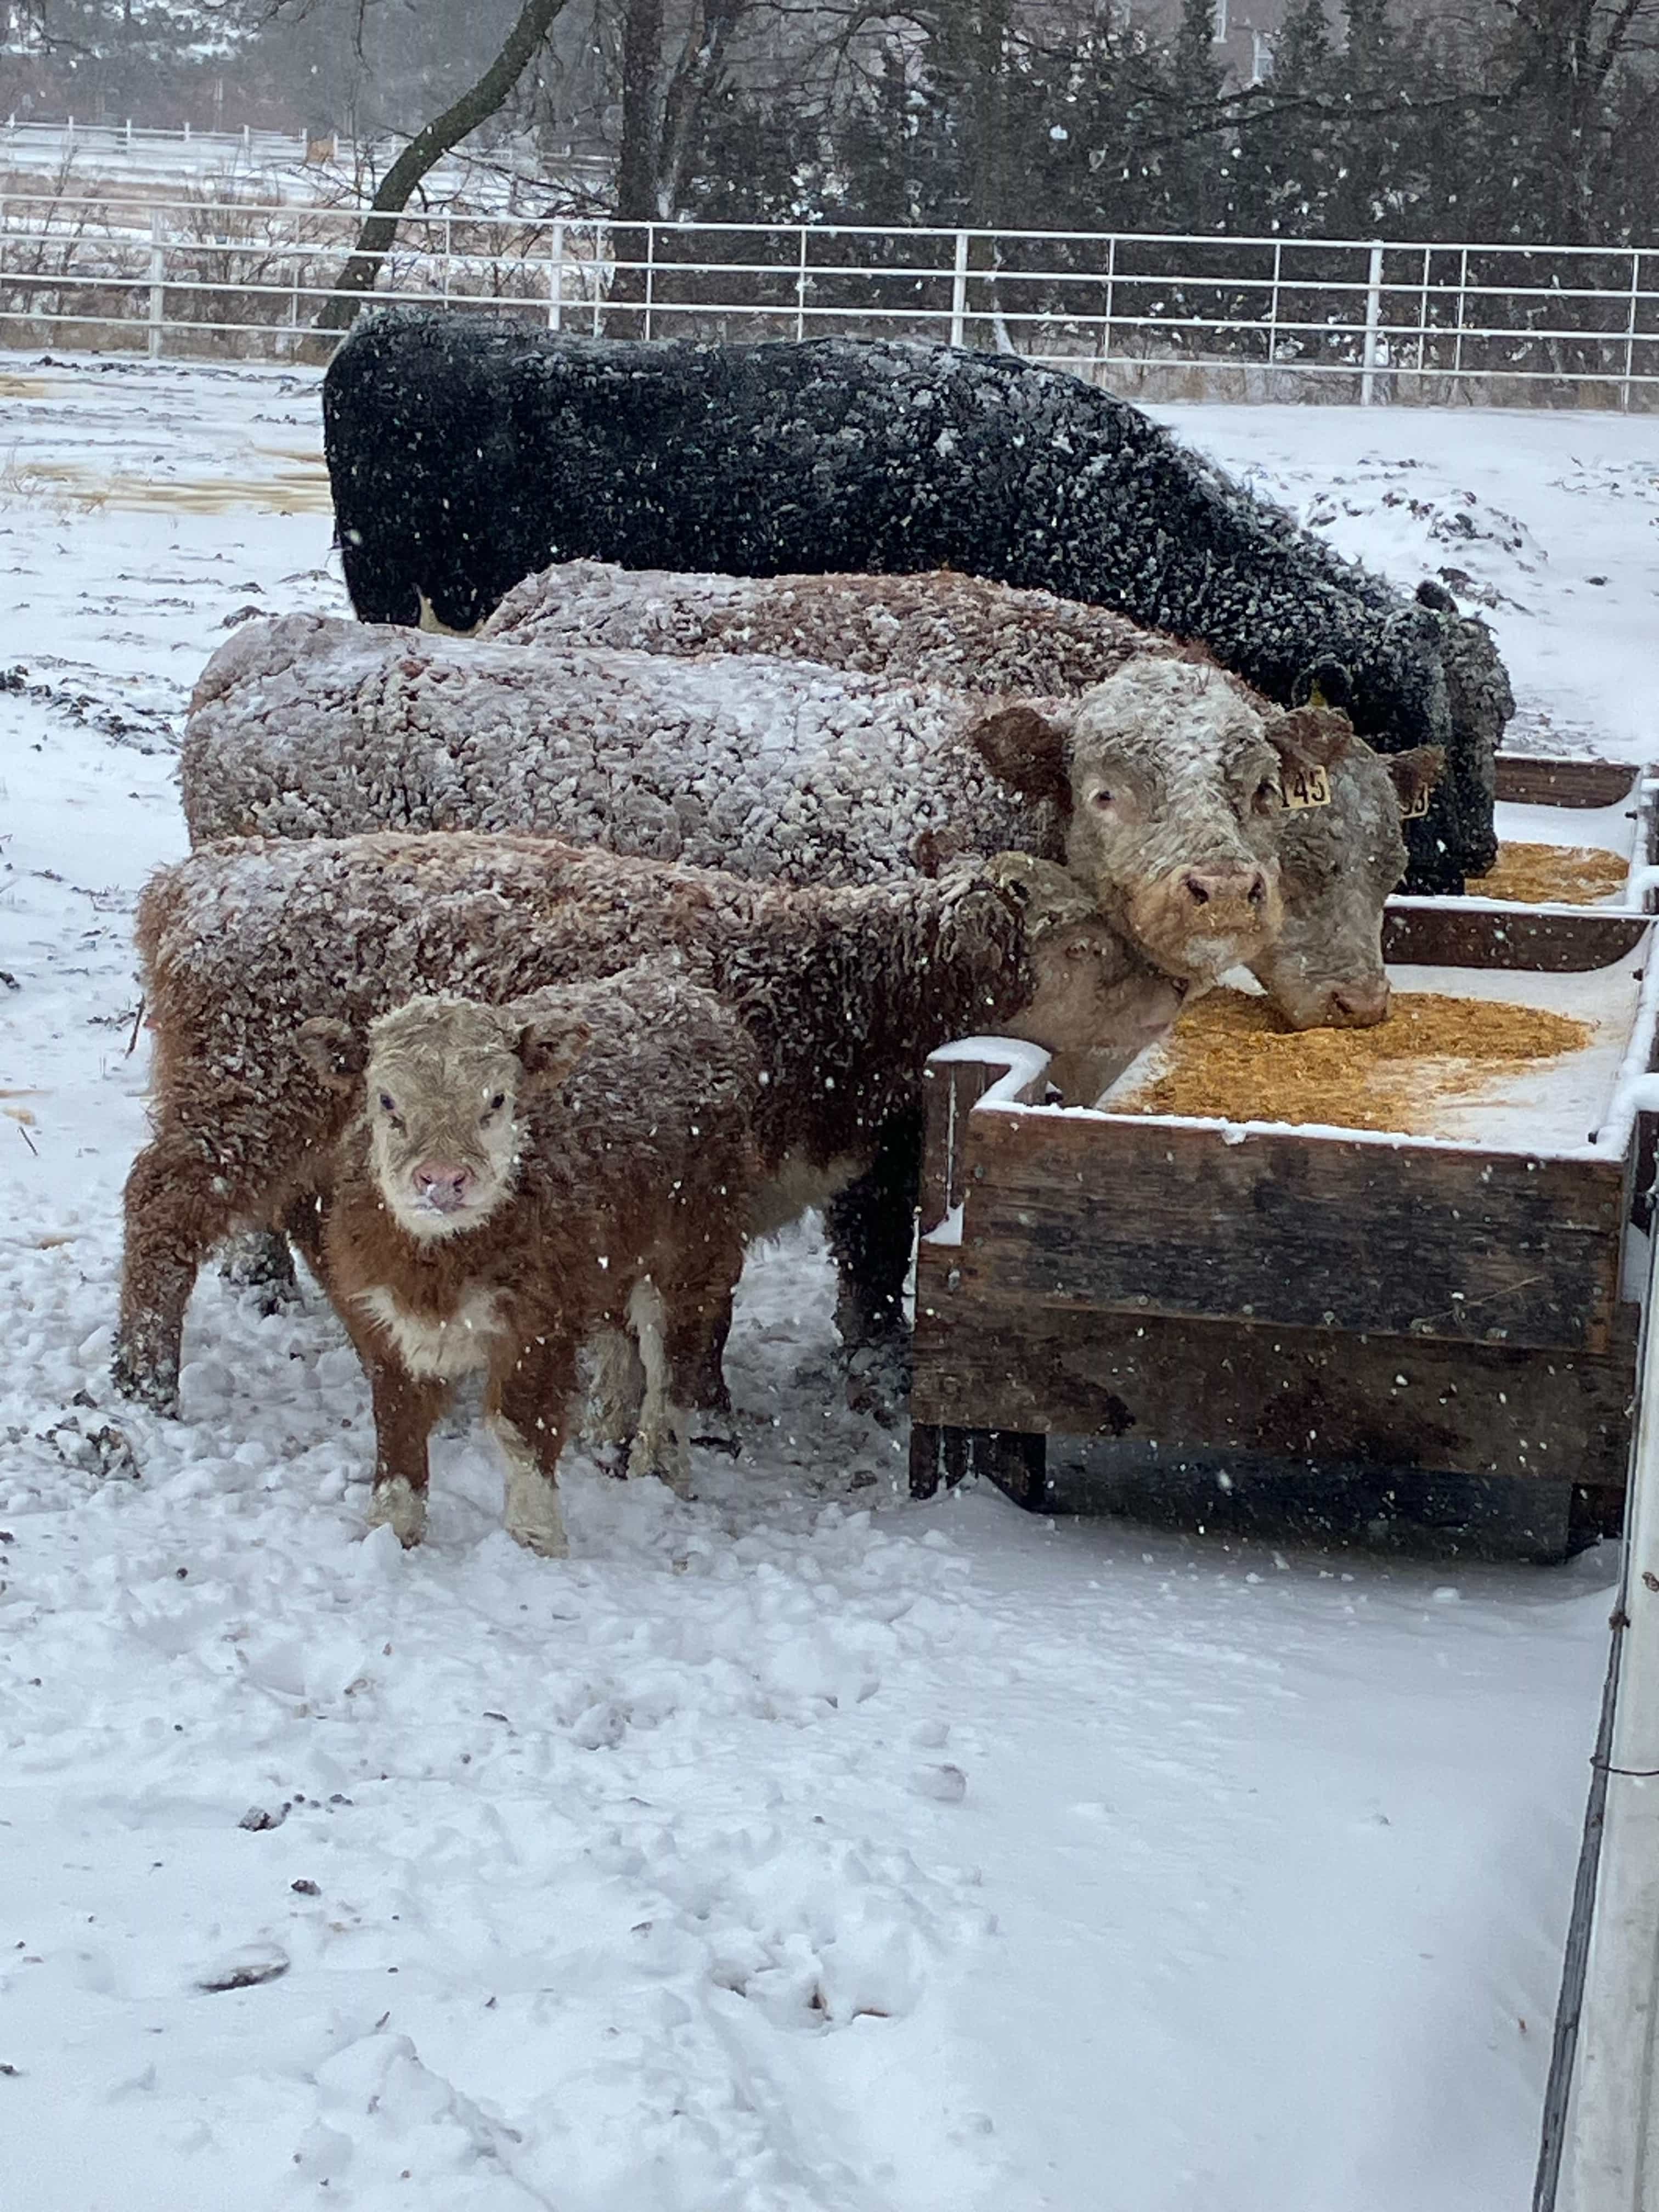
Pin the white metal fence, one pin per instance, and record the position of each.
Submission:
(510, 176)
(1160, 316)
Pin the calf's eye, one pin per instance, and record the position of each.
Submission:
(388, 1106)
(1102, 798)
(497, 1103)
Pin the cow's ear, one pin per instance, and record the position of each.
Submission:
(1324, 683)
(549, 1047)
(338, 1053)
(1027, 750)
(1414, 776)
(1310, 737)
(1042, 892)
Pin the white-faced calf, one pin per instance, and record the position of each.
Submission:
(515, 1181)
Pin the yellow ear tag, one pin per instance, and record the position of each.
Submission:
(1307, 786)
(1419, 807)
(1317, 697)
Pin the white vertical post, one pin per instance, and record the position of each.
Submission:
(1463, 304)
(129, 130)
(1630, 329)
(1111, 285)
(1273, 305)
(158, 272)
(248, 143)
(650, 273)
(801, 289)
(186, 133)
(1373, 318)
(449, 248)
(959, 292)
(556, 280)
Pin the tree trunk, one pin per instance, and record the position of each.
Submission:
(458, 121)
(636, 167)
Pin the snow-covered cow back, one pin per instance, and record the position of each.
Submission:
(465, 455)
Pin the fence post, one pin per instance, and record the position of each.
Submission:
(801, 289)
(158, 273)
(650, 273)
(1373, 318)
(556, 280)
(129, 132)
(1273, 310)
(1630, 329)
(959, 292)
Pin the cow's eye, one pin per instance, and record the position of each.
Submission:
(1267, 794)
(1102, 798)
(496, 1103)
(387, 1104)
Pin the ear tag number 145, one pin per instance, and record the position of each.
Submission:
(1307, 786)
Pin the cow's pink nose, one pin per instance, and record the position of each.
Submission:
(1204, 886)
(442, 1184)
(1359, 1006)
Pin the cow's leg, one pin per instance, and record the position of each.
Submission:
(260, 1261)
(406, 1407)
(660, 1445)
(527, 1404)
(177, 1209)
(612, 1413)
(869, 1227)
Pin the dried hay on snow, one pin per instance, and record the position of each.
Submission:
(1230, 1058)
(1564, 875)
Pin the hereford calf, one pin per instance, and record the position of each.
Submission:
(515, 1179)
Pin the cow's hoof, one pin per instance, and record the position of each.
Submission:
(397, 1505)
(879, 1381)
(146, 1386)
(532, 1515)
(661, 1450)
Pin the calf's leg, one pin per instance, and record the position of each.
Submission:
(406, 1407)
(526, 1403)
(174, 1217)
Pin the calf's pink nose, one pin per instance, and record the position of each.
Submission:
(442, 1184)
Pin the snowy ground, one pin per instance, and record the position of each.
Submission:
(797, 1850)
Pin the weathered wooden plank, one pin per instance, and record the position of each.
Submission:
(1526, 779)
(1452, 934)
(987, 1360)
(1147, 1216)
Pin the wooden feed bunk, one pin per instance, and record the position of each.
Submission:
(1319, 1296)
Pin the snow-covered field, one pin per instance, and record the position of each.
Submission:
(798, 1848)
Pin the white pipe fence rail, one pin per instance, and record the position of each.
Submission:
(1174, 317)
